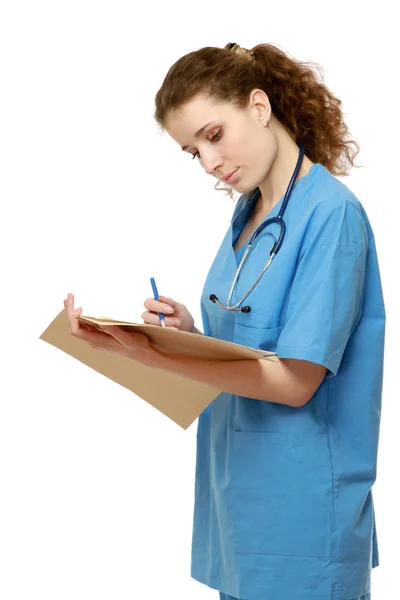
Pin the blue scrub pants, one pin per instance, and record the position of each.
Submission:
(226, 597)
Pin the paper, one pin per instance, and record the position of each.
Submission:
(179, 398)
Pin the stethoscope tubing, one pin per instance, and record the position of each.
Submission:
(274, 250)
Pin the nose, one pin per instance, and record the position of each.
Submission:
(211, 162)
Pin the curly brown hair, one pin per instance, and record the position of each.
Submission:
(299, 99)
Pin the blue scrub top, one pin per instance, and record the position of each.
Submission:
(283, 503)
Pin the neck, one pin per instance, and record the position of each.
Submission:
(275, 185)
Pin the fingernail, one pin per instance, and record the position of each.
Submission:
(168, 309)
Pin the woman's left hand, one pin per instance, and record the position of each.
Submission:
(109, 338)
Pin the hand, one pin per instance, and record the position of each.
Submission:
(177, 317)
(110, 338)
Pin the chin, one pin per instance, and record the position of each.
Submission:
(244, 188)
(239, 189)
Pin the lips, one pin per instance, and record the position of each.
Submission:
(229, 176)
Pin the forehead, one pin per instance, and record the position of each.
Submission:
(183, 123)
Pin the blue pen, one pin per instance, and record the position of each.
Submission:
(155, 292)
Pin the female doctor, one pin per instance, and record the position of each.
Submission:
(287, 454)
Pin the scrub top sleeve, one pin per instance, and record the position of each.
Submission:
(325, 300)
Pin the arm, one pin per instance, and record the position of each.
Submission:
(288, 381)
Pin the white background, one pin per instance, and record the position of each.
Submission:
(96, 485)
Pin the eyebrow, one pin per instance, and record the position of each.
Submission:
(198, 133)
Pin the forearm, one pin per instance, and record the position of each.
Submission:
(261, 379)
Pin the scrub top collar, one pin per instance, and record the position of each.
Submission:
(249, 199)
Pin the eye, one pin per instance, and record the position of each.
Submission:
(215, 138)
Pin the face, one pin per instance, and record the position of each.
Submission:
(233, 139)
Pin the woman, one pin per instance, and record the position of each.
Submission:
(286, 455)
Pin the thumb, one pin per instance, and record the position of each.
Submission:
(169, 301)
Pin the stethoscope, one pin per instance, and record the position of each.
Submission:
(274, 250)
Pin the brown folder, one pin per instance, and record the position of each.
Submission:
(179, 398)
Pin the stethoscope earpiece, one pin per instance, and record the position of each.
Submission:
(244, 309)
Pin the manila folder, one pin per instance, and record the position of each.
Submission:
(179, 398)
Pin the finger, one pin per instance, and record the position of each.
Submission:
(169, 301)
(125, 338)
(153, 319)
(158, 306)
(98, 339)
(88, 327)
(71, 314)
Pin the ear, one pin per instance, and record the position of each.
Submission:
(259, 101)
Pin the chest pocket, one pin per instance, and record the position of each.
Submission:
(258, 331)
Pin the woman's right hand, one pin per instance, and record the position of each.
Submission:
(176, 315)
